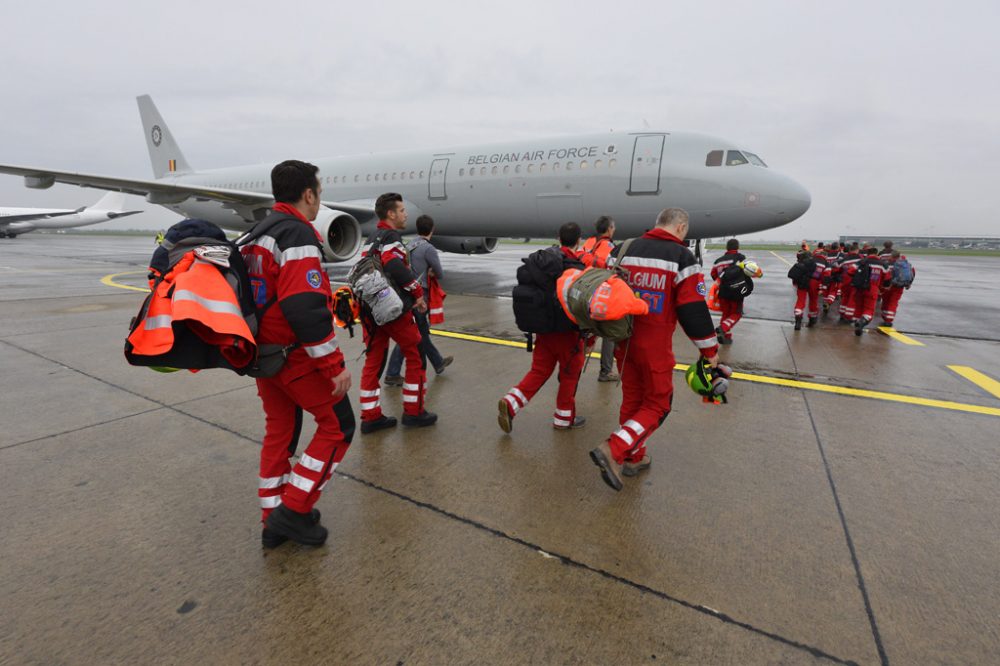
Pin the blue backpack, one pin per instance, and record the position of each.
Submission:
(902, 273)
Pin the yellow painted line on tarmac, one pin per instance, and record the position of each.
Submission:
(780, 257)
(896, 335)
(110, 281)
(790, 383)
(984, 382)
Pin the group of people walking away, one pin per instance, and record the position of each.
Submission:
(859, 276)
(262, 306)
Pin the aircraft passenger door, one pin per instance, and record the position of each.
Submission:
(436, 183)
(646, 159)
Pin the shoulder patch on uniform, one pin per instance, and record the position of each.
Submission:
(314, 278)
(702, 289)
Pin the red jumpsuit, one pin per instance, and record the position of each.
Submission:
(565, 348)
(668, 277)
(847, 297)
(403, 331)
(284, 265)
(866, 298)
(891, 295)
(732, 311)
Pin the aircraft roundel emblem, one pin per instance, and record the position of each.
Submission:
(157, 135)
(611, 149)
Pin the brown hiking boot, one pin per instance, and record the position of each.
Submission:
(633, 468)
(610, 470)
(504, 417)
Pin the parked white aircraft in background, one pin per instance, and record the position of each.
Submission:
(523, 189)
(16, 221)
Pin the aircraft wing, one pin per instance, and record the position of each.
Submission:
(362, 209)
(155, 191)
(6, 219)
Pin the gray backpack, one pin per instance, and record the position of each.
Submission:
(373, 289)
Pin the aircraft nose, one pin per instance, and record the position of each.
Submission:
(794, 200)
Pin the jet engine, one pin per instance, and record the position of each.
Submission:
(462, 245)
(341, 234)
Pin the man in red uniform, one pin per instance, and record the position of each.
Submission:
(732, 311)
(668, 277)
(567, 348)
(595, 252)
(403, 330)
(866, 296)
(848, 266)
(285, 271)
(893, 291)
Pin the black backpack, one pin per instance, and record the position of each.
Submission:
(734, 284)
(862, 278)
(536, 308)
(801, 273)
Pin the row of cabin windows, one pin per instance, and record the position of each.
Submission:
(733, 158)
(419, 175)
(542, 168)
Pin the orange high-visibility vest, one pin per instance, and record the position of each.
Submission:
(195, 293)
(595, 253)
(714, 304)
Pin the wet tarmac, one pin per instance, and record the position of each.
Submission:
(844, 507)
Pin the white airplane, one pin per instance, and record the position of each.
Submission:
(523, 189)
(16, 221)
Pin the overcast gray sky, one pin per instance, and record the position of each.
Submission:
(889, 112)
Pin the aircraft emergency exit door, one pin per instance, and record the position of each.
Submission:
(646, 159)
(436, 183)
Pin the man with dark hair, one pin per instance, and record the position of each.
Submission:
(886, 254)
(668, 277)
(427, 265)
(732, 310)
(285, 270)
(567, 348)
(831, 278)
(388, 243)
(596, 251)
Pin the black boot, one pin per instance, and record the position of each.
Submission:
(798, 323)
(420, 420)
(859, 326)
(269, 539)
(380, 423)
(812, 322)
(299, 527)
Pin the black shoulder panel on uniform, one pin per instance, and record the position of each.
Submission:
(308, 315)
(293, 234)
(696, 320)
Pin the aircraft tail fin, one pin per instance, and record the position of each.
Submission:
(164, 153)
(112, 201)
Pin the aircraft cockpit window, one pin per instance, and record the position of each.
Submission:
(756, 161)
(735, 158)
(714, 158)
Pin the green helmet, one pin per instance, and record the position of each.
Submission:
(698, 378)
(708, 382)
